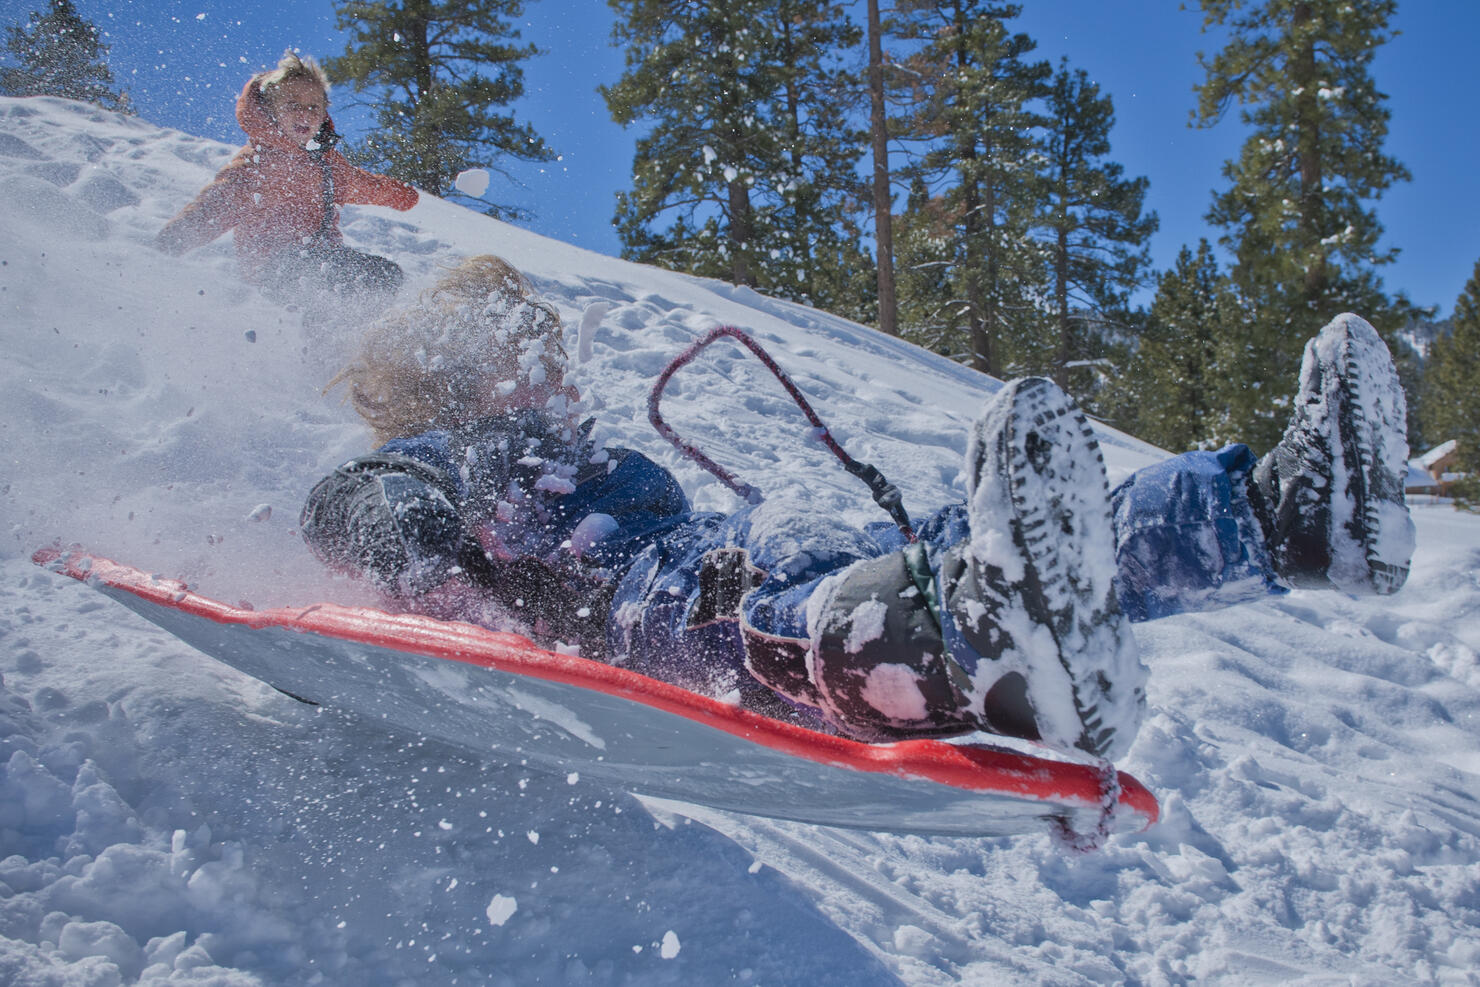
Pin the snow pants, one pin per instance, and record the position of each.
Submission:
(333, 268)
(724, 604)
(1187, 538)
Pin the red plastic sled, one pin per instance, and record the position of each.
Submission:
(500, 694)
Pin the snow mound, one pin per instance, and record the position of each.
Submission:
(163, 818)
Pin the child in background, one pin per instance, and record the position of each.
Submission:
(281, 193)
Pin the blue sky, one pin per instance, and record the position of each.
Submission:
(184, 62)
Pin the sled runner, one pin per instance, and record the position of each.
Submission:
(500, 694)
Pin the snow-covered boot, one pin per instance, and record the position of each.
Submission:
(1330, 494)
(1036, 642)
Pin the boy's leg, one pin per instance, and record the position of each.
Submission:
(1323, 509)
(676, 614)
(1007, 622)
(1187, 538)
(1031, 594)
(862, 644)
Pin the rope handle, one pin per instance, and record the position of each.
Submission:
(1075, 842)
(885, 494)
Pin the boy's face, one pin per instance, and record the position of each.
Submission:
(300, 108)
(510, 393)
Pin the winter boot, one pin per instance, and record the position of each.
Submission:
(1036, 641)
(1330, 494)
(1007, 622)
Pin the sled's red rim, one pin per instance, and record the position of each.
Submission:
(958, 766)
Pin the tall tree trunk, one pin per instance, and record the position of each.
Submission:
(800, 239)
(983, 321)
(740, 234)
(1061, 304)
(429, 174)
(1308, 147)
(740, 230)
(883, 200)
(981, 273)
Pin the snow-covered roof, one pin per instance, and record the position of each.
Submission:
(1437, 453)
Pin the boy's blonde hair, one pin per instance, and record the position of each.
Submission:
(477, 337)
(291, 67)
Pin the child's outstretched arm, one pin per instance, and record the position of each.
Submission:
(355, 185)
(217, 209)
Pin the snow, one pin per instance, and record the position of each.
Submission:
(894, 690)
(165, 818)
(500, 909)
(472, 183)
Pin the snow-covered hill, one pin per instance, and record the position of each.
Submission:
(164, 819)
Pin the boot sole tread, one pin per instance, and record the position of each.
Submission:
(1043, 497)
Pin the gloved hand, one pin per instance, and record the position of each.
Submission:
(387, 520)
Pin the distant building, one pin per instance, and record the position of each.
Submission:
(1432, 473)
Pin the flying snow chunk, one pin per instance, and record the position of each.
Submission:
(670, 946)
(473, 182)
(501, 909)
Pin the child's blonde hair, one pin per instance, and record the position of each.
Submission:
(476, 337)
(291, 67)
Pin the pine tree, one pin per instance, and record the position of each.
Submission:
(748, 168)
(1414, 342)
(1297, 211)
(1451, 397)
(930, 313)
(1096, 235)
(968, 129)
(822, 201)
(1172, 391)
(60, 54)
(436, 71)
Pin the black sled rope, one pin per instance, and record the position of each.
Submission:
(885, 494)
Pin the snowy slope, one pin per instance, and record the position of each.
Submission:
(162, 817)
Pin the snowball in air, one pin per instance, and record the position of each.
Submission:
(501, 909)
(473, 182)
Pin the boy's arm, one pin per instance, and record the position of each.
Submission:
(388, 517)
(353, 185)
(215, 210)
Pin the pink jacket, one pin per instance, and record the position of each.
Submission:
(272, 194)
